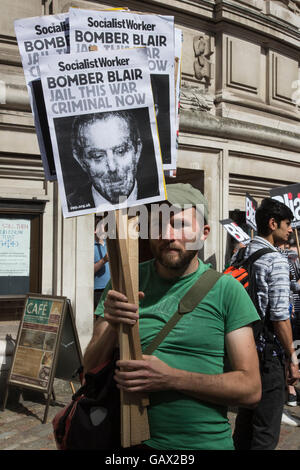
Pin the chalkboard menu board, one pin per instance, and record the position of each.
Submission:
(47, 345)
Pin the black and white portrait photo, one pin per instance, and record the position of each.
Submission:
(107, 157)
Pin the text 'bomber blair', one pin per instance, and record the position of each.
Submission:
(94, 77)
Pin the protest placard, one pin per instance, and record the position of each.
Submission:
(290, 196)
(235, 231)
(250, 209)
(37, 37)
(116, 30)
(103, 130)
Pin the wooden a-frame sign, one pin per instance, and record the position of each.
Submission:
(47, 347)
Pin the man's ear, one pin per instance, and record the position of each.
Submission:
(273, 225)
(206, 232)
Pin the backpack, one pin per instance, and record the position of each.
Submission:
(92, 420)
(242, 270)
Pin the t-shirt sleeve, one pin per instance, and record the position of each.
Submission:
(238, 307)
(100, 307)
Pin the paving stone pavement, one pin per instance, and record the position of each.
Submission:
(21, 426)
(21, 423)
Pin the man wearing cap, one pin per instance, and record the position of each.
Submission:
(188, 387)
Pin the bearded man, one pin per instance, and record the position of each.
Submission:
(185, 377)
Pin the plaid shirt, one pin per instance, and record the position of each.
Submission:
(273, 285)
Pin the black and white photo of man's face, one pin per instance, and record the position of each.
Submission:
(109, 156)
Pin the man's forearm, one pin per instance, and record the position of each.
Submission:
(236, 388)
(101, 346)
(99, 264)
(239, 387)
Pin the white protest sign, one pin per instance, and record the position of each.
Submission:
(235, 231)
(115, 30)
(38, 37)
(103, 130)
(290, 196)
(250, 210)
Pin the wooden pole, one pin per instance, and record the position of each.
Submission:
(123, 260)
(297, 241)
(113, 251)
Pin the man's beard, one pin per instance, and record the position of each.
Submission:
(171, 261)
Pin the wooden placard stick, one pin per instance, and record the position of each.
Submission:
(129, 262)
(297, 241)
(123, 258)
(128, 243)
(113, 251)
(139, 427)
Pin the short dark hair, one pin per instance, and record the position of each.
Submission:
(269, 209)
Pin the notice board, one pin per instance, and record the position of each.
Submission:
(47, 345)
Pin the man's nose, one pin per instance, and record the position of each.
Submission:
(111, 161)
(168, 232)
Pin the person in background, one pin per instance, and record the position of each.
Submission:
(237, 245)
(291, 253)
(101, 267)
(259, 429)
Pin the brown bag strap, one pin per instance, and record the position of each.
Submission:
(187, 304)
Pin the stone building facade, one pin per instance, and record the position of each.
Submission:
(239, 131)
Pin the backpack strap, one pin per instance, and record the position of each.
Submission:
(187, 304)
(257, 254)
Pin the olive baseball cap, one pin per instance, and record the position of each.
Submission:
(180, 194)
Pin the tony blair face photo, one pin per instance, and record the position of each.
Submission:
(108, 148)
(107, 159)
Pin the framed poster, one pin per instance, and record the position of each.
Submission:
(14, 247)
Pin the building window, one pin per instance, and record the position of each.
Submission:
(20, 247)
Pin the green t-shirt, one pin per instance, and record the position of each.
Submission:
(196, 344)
